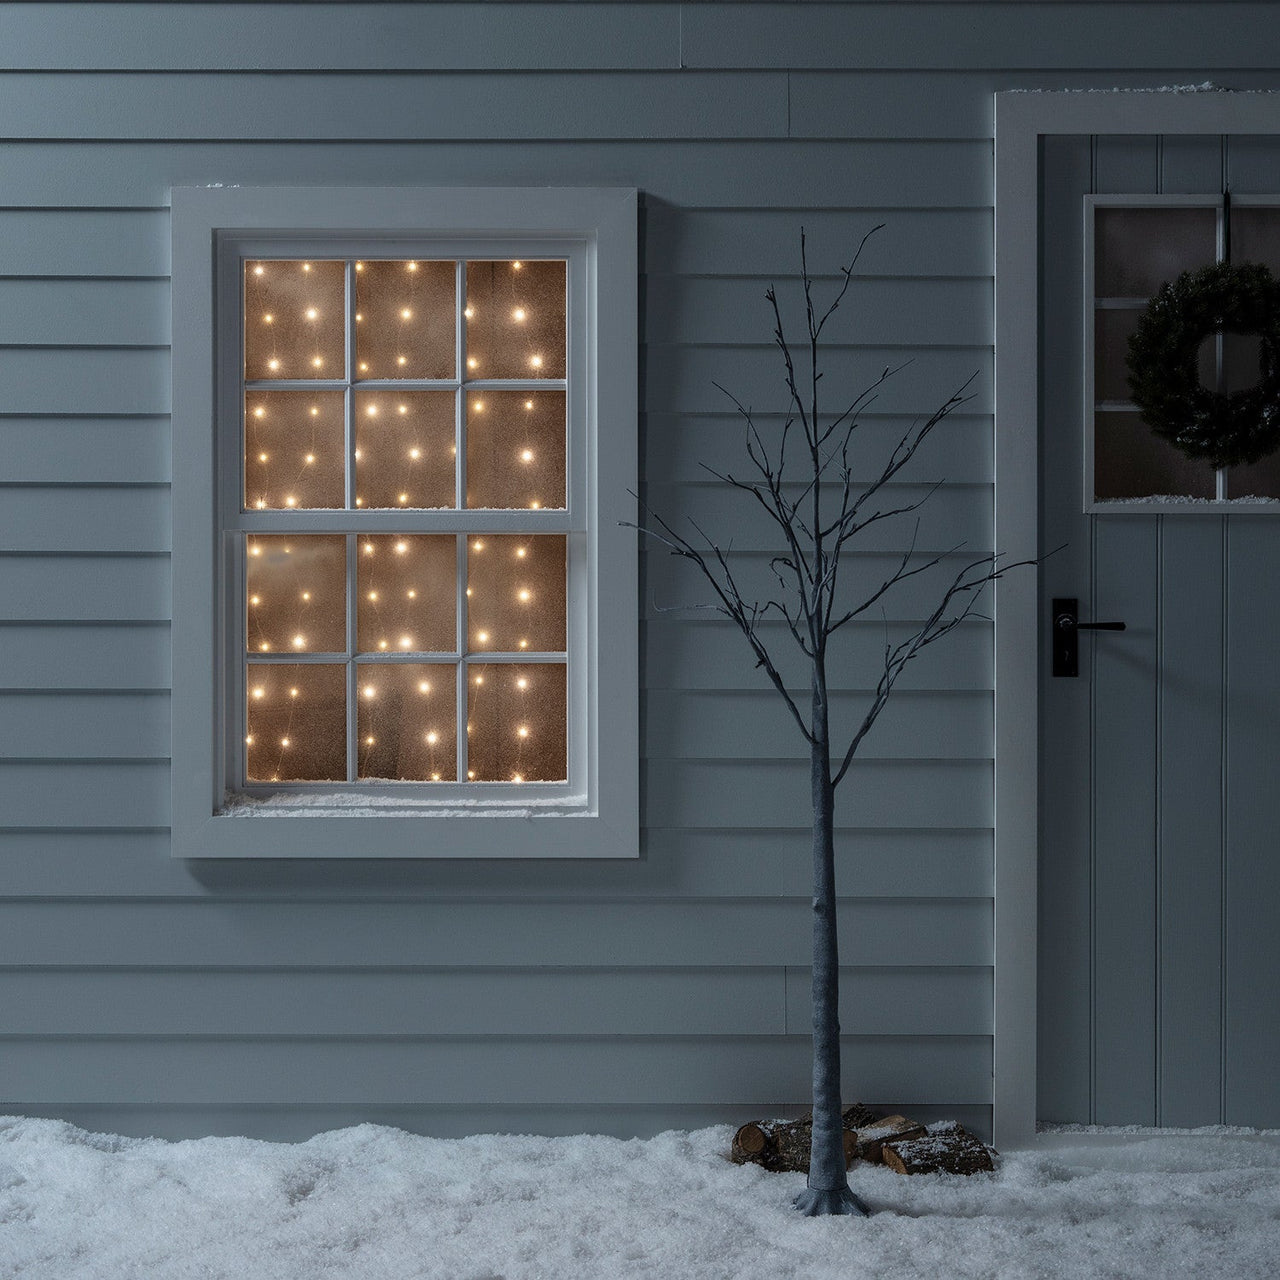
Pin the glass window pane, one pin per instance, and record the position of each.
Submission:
(293, 449)
(296, 722)
(408, 721)
(1255, 236)
(1111, 330)
(516, 722)
(405, 450)
(516, 319)
(1131, 461)
(294, 320)
(406, 319)
(296, 589)
(516, 449)
(408, 593)
(516, 589)
(1137, 250)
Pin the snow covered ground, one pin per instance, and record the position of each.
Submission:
(379, 1204)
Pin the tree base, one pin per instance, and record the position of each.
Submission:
(839, 1201)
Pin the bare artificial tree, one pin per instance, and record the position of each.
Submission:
(819, 509)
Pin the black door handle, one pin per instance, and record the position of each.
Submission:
(1066, 629)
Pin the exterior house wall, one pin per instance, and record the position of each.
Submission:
(147, 994)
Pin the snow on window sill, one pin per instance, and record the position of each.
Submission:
(363, 804)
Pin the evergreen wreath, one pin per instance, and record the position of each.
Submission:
(1225, 428)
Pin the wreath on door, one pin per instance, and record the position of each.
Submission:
(1225, 429)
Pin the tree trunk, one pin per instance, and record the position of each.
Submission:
(828, 1191)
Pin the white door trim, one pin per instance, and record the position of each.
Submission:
(1021, 120)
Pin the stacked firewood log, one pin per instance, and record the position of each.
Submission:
(782, 1146)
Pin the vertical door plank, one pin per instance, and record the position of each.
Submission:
(1190, 164)
(1063, 987)
(1190, 820)
(1252, 882)
(1124, 163)
(1124, 664)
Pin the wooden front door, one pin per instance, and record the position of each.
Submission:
(1159, 878)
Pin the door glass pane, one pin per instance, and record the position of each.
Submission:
(296, 593)
(516, 449)
(294, 320)
(516, 722)
(1255, 236)
(1111, 330)
(405, 450)
(407, 721)
(296, 718)
(408, 593)
(1131, 461)
(1137, 250)
(515, 318)
(293, 449)
(516, 593)
(406, 319)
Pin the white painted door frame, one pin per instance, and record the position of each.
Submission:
(1021, 120)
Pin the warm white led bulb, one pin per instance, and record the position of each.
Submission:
(310, 458)
(290, 500)
(482, 637)
(477, 406)
(424, 686)
(433, 737)
(401, 548)
(268, 318)
(522, 731)
(521, 552)
(260, 412)
(470, 313)
(259, 692)
(472, 362)
(273, 365)
(525, 594)
(369, 740)
(312, 314)
(373, 595)
(415, 454)
(369, 690)
(412, 594)
(402, 408)
(299, 642)
(518, 314)
(403, 498)
(259, 270)
(293, 693)
(536, 361)
(318, 362)
(411, 266)
(528, 404)
(406, 314)
(306, 595)
(406, 642)
(402, 361)
(479, 680)
(522, 683)
(526, 455)
(255, 599)
(315, 410)
(372, 411)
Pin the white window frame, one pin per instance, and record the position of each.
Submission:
(595, 814)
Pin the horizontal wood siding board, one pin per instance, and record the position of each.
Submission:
(84, 242)
(85, 518)
(696, 652)
(85, 656)
(286, 1122)
(692, 725)
(678, 585)
(953, 726)
(751, 1071)
(38, 312)
(924, 312)
(899, 1001)
(377, 37)
(485, 1002)
(78, 381)
(476, 1002)
(86, 450)
(766, 242)
(120, 588)
(677, 863)
(684, 379)
(680, 446)
(752, 174)
(703, 1002)
(377, 107)
(99, 726)
(360, 935)
(1047, 37)
(946, 516)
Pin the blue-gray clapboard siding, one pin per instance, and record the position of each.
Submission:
(151, 995)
